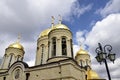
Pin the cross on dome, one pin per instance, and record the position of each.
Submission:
(80, 43)
(60, 19)
(19, 37)
(52, 22)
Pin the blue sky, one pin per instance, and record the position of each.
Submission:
(84, 20)
(91, 21)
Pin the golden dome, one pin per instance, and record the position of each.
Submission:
(16, 45)
(44, 33)
(60, 26)
(81, 51)
(92, 75)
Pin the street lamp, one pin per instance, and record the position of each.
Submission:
(103, 54)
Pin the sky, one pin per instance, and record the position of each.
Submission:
(91, 22)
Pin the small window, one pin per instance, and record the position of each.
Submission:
(54, 46)
(42, 52)
(71, 47)
(81, 63)
(64, 46)
(86, 61)
(4, 78)
(11, 56)
(37, 48)
(27, 76)
(86, 77)
(18, 58)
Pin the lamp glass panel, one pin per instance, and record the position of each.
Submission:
(112, 57)
(104, 55)
(101, 56)
(98, 58)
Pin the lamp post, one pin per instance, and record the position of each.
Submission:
(104, 53)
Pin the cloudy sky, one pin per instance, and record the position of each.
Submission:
(91, 21)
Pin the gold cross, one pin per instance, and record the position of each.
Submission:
(60, 19)
(80, 43)
(53, 20)
(19, 37)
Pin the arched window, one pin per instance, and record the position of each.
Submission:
(27, 76)
(4, 78)
(11, 56)
(48, 48)
(86, 62)
(42, 52)
(64, 46)
(54, 46)
(71, 47)
(18, 58)
(81, 63)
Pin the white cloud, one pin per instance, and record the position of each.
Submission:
(4, 42)
(113, 6)
(31, 63)
(106, 31)
(29, 15)
(75, 49)
(30, 49)
(79, 35)
(78, 10)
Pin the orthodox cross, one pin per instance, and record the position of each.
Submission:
(80, 44)
(60, 19)
(52, 20)
(19, 37)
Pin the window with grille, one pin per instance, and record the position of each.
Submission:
(54, 46)
(64, 46)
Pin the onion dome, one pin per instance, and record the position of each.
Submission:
(16, 45)
(44, 33)
(60, 26)
(92, 75)
(81, 51)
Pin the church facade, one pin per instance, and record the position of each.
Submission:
(54, 59)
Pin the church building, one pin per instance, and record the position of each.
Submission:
(54, 59)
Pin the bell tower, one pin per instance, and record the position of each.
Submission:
(83, 58)
(14, 52)
(60, 42)
(54, 44)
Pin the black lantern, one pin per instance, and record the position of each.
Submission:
(103, 54)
